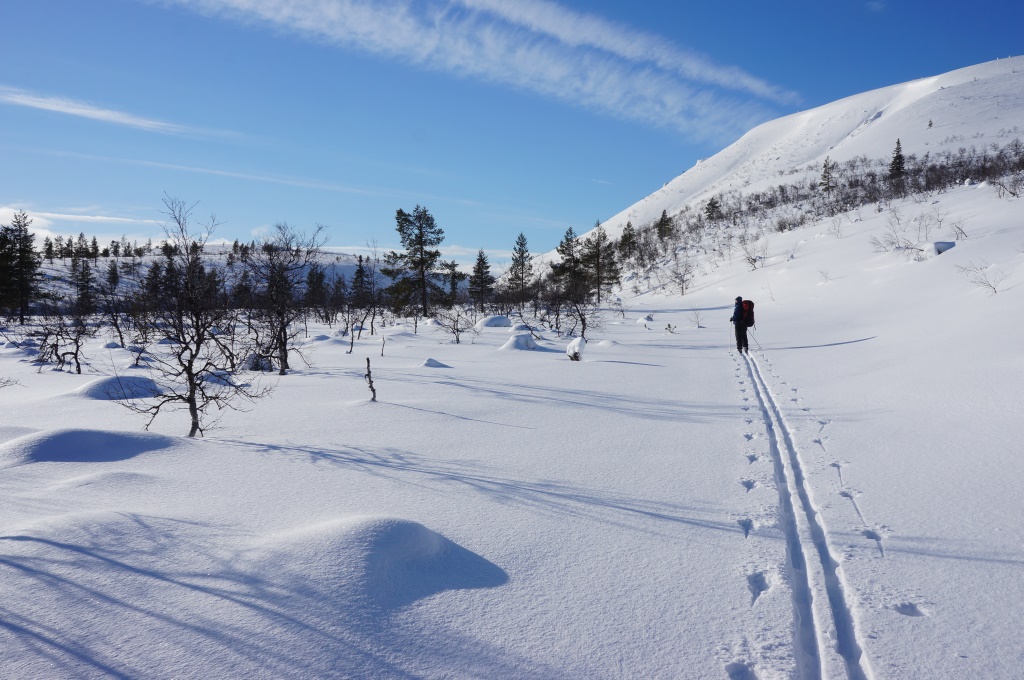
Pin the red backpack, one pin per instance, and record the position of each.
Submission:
(748, 313)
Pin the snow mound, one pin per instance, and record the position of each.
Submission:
(80, 446)
(520, 328)
(646, 319)
(434, 363)
(111, 345)
(10, 345)
(522, 342)
(607, 343)
(319, 338)
(113, 387)
(930, 250)
(381, 563)
(575, 349)
(494, 322)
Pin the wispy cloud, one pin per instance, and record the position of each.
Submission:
(586, 30)
(71, 107)
(534, 45)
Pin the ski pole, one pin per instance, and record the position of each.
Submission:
(755, 341)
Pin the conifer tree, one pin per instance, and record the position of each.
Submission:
(19, 266)
(520, 273)
(897, 166)
(628, 243)
(452, 277)
(597, 256)
(664, 226)
(828, 178)
(713, 209)
(414, 269)
(569, 272)
(481, 282)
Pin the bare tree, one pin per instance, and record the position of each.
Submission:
(196, 351)
(457, 320)
(278, 266)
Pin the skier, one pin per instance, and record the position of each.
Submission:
(738, 319)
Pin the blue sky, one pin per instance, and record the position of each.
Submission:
(499, 116)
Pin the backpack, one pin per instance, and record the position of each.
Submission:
(748, 313)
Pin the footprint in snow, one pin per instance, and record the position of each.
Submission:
(748, 484)
(758, 584)
(910, 609)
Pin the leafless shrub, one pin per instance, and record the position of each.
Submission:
(456, 321)
(695, 316)
(1011, 185)
(983, 276)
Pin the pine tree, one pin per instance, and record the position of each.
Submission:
(481, 282)
(628, 243)
(713, 209)
(415, 268)
(452, 277)
(597, 255)
(569, 271)
(19, 266)
(520, 274)
(664, 226)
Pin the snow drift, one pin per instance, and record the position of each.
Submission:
(80, 446)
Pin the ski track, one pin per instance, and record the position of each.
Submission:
(806, 537)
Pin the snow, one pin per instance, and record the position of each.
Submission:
(518, 515)
(499, 321)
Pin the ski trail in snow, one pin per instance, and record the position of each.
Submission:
(806, 535)
(806, 642)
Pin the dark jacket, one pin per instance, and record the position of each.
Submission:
(737, 313)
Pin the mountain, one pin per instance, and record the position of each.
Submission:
(973, 106)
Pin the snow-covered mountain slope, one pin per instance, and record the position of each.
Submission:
(978, 105)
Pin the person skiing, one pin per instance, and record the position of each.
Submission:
(739, 320)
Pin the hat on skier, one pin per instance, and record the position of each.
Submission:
(739, 298)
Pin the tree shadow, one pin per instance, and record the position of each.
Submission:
(828, 344)
(122, 595)
(552, 497)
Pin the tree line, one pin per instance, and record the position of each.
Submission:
(200, 322)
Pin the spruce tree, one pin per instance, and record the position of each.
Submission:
(897, 167)
(481, 282)
(828, 178)
(520, 274)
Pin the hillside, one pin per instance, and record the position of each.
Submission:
(974, 106)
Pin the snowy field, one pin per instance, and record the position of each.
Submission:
(842, 503)
(510, 513)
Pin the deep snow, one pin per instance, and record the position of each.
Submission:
(843, 502)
